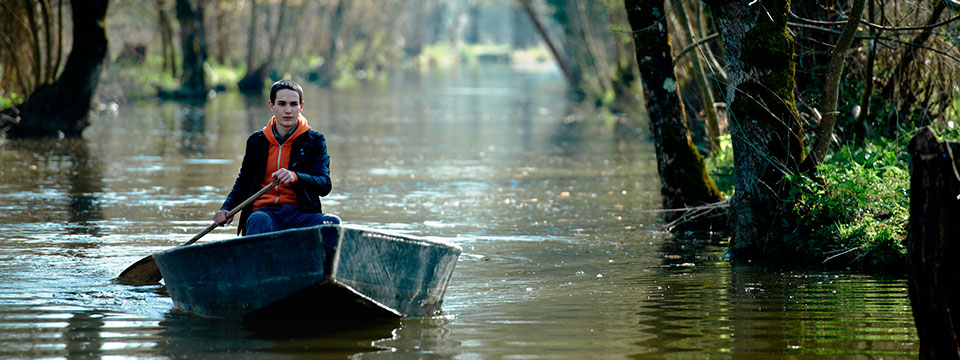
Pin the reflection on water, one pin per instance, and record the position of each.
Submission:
(562, 256)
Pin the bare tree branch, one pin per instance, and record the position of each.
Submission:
(831, 88)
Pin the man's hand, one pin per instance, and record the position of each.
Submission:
(220, 218)
(285, 176)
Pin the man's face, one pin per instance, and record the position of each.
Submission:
(286, 107)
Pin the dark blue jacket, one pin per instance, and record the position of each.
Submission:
(309, 160)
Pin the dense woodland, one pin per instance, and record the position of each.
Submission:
(782, 122)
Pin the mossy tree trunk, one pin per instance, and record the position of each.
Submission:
(193, 43)
(764, 126)
(684, 180)
(62, 107)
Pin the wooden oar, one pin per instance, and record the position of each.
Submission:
(146, 271)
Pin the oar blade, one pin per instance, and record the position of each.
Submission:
(144, 271)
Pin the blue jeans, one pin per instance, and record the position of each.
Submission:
(276, 218)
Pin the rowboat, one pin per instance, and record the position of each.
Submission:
(316, 272)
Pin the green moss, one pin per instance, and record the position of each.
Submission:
(769, 49)
(686, 171)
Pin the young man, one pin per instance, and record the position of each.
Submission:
(286, 149)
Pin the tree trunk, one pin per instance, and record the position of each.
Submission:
(572, 75)
(277, 31)
(931, 244)
(524, 35)
(61, 108)
(473, 20)
(764, 126)
(417, 32)
(252, 38)
(684, 180)
(166, 38)
(253, 80)
(220, 17)
(193, 43)
(576, 47)
(327, 72)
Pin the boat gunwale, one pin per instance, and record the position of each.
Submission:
(389, 235)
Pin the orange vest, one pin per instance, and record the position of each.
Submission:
(278, 157)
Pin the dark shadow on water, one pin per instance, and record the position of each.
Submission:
(194, 138)
(257, 109)
(568, 136)
(187, 335)
(83, 335)
(70, 162)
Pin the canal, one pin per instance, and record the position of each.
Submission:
(564, 257)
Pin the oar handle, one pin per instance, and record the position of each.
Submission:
(234, 211)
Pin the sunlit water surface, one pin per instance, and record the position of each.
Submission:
(562, 253)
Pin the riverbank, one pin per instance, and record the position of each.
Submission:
(854, 214)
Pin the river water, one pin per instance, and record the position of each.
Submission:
(563, 253)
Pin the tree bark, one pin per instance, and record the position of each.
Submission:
(931, 244)
(684, 180)
(764, 126)
(193, 44)
(62, 108)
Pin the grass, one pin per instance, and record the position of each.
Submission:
(857, 213)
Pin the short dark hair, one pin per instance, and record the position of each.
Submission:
(285, 84)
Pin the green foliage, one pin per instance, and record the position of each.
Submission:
(441, 55)
(9, 99)
(366, 60)
(473, 53)
(858, 210)
(720, 166)
(224, 75)
(140, 80)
